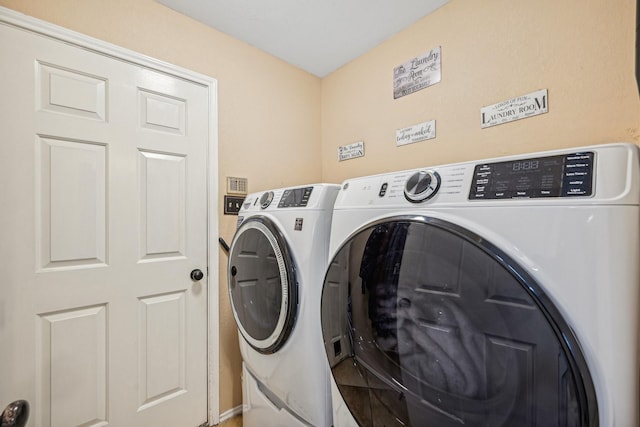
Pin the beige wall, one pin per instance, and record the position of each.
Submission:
(269, 111)
(492, 50)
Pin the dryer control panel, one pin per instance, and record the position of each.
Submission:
(565, 175)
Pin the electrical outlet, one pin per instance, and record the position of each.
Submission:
(232, 205)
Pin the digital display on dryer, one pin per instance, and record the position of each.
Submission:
(295, 197)
(553, 176)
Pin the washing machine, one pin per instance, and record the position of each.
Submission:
(277, 261)
(500, 292)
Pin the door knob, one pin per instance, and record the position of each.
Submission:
(197, 275)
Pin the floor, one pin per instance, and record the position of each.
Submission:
(233, 422)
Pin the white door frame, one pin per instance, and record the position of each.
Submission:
(37, 26)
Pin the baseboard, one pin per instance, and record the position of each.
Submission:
(228, 414)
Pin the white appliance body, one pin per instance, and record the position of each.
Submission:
(556, 259)
(276, 264)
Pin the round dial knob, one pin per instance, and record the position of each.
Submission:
(422, 186)
(266, 199)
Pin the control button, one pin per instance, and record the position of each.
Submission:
(578, 174)
(383, 190)
(422, 186)
(522, 193)
(306, 196)
(266, 199)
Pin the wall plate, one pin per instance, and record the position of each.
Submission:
(237, 185)
(232, 205)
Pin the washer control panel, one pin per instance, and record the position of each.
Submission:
(565, 175)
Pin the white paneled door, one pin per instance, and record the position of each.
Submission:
(103, 168)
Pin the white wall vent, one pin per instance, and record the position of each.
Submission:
(237, 185)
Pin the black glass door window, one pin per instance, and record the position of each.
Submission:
(262, 285)
(426, 324)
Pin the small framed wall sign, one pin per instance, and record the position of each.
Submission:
(417, 73)
(520, 107)
(416, 133)
(351, 151)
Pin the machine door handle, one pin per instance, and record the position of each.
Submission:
(197, 275)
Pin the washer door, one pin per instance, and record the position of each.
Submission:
(428, 324)
(262, 284)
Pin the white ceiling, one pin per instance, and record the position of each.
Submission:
(318, 36)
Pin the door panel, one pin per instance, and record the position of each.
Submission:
(104, 219)
(162, 205)
(162, 348)
(72, 348)
(71, 202)
(71, 92)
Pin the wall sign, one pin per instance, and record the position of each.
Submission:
(417, 73)
(351, 151)
(521, 107)
(416, 133)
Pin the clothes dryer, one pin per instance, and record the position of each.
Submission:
(502, 292)
(277, 260)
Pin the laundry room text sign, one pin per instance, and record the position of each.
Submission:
(351, 151)
(416, 133)
(521, 107)
(417, 73)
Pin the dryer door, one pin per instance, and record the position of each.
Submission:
(262, 284)
(428, 324)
